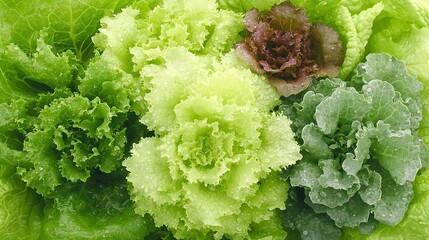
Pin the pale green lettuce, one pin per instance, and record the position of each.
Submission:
(211, 169)
(135, 36)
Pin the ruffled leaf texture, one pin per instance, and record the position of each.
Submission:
(211, 171)
(55, 144)
(283, 44)
(360, 146)
(353, 20)
(134, 37)
(64, 134)
(404, 34)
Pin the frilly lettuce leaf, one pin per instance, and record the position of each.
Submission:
(360, 146)
(70, 124)
(135, 36)
(64, 135)
(211, 169)
(24, 76)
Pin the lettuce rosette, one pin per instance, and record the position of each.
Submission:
(214, 119)
(361, 148)
(211, 170)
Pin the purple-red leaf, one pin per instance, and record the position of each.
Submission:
(283, 44)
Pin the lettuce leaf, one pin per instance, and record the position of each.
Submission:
(413, 226)
(68, 25)
(211, 171)
(56, 134)
(246, 5)
(134, 37)
(353, 20)
(408, 42)
(284, 45)
(21, 210)
(99, 208)
(24, 76)
(360, 146)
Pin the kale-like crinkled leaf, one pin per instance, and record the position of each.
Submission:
(415, 223)
(360, 144)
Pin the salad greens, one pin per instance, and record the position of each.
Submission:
(67, 25)
(283, 44)
(413, 226)
(361, 150)
(216, 143)
(137, 119)
(21, 213)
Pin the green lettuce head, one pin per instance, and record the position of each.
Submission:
(134, 37)
(361, 149)
(211, 170)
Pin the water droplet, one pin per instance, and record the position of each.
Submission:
(305, 232)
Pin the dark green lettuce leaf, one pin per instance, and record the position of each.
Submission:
(98, 209)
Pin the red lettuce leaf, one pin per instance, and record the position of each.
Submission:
(283, 44)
